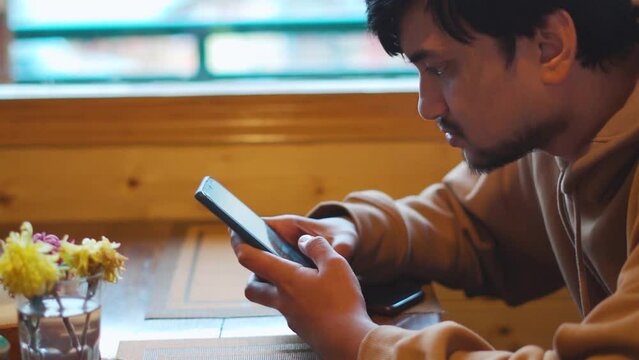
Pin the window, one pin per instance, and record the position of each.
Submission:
(192, 40)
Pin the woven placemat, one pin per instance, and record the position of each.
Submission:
(199, 277)
(289, 347)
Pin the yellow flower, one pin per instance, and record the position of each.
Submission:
(78, 257)
(94, 256)
(26, 267)
(112, 262)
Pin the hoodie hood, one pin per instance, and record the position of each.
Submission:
(611, 155)
(586, 190)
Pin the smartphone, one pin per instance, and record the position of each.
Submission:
(246, 223)
(386, 299)
(392, 298)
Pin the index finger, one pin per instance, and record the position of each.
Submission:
(265, 265)
(287, 227)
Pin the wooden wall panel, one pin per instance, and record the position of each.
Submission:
(157, 182)
(506, 327)
(213, 120)
(141, 158)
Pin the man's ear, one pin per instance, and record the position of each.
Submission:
(557, 42)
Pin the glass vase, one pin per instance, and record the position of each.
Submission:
(63, 324)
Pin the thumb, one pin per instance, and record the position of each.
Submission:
(317, 249)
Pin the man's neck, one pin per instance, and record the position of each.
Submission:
(592, 98)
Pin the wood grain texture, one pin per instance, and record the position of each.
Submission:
(213, 120)
(507, 327)
(141, 158)
(158, 182)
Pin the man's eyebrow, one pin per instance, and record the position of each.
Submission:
(420, 55)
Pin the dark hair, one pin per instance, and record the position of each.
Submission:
(606, 29)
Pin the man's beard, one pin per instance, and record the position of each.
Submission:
(485, 160)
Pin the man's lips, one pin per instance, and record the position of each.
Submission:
(445, 127)
(453, 137)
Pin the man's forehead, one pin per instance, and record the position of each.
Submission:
(418, 31)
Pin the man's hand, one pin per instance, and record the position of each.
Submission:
(324, 306)
(339, 232)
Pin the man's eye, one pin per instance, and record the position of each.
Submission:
(435, 70)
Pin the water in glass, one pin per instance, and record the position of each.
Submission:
(50, 333)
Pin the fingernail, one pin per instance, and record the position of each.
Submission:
(304, 238)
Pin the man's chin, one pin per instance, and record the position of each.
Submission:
(484, 163)
(485, 160)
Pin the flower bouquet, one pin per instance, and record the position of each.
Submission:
(57, 283)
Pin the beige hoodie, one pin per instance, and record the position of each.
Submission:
(518, 233)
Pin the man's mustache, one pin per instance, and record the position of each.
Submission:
(446, 125)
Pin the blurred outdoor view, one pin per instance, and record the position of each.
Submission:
(75, 41)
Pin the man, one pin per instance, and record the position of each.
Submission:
(541, 97)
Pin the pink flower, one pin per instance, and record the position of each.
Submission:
(50, 239)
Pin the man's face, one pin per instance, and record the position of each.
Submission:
(495, 113)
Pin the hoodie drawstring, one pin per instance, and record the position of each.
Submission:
(574, 232)
(579, 254)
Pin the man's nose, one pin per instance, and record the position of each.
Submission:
(431, 103)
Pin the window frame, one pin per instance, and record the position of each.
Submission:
(201, 31)
(5, 38)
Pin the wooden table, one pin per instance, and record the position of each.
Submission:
(124, 303)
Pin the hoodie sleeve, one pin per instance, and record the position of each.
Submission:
(480, 233)
(608, 332)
